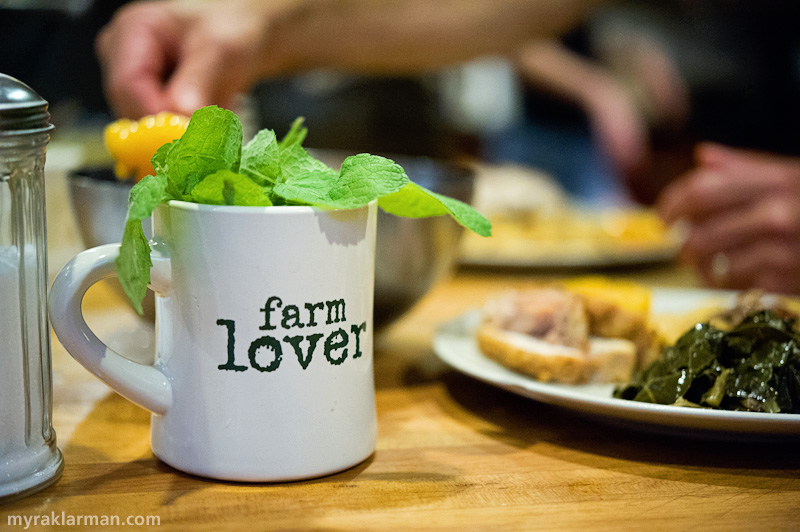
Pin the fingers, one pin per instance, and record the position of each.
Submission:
(135, 52)
(774, 217)
(220, 56)
(728, 181)
(703, 192)
(757, 246)
(712, 155)
(179, 56)
(622, 134)
(769, 264)
(207, 73)
(744, 162)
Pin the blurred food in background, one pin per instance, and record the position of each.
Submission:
(536, 224)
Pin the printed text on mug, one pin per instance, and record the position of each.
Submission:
(265, 353)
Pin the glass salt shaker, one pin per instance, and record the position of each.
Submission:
(29, 458)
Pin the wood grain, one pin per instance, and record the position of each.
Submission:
(453, 453)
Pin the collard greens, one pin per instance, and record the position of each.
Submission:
(209, 165)
(755, 367)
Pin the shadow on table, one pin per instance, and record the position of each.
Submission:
(527, 424)
(109, 453)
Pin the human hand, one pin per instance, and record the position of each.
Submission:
(619, 128)
(171, 55)
(742, 210)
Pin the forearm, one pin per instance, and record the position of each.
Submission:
(406, 36)
(181, 55)
(548, 66)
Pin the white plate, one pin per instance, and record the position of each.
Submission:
(528, 255)
(582, 246)
(455, 344)
(570, 261)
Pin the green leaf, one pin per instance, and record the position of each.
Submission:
(229, 188)
(146, 195)
(297, 164)
(415, 201)
(366, 177)
(664, 390)
(363, 178)
(310, 188)
(133, 263)
(714, 395)
(295, 136)
(159, 158)
(261, 158)
(212, 141)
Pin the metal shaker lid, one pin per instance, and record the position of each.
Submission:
(22, 111)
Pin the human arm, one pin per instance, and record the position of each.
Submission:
(176, 55)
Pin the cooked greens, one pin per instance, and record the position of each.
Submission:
(755, 366)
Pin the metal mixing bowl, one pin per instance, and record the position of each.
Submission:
(411, 254)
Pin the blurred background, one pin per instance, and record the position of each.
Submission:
(727, 71)
(605, 116)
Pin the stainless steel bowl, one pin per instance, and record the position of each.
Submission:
(411, 254)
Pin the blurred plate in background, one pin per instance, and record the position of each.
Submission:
(535, 225)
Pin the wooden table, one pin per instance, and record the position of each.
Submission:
(453, 454)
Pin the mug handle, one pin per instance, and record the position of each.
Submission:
(144, 385)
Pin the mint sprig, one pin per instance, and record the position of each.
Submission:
(209, 165)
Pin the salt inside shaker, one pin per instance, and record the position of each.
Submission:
(29, 458)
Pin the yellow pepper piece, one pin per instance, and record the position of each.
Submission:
(133, 143)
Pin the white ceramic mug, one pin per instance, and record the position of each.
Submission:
(263, 368)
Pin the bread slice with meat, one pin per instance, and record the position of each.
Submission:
(532, 356)
(605, 360)
(559, 335)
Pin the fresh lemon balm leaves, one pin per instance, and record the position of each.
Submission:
(296, 135)
(159, 162)
(209, 165)
(159, 159)
(415, 201)
(362, 178)
(261, 158)
(133, 263)
(229, 188)
(309, 188)
(465, 214)
(212, 141)
(296, 163)
(146, 195)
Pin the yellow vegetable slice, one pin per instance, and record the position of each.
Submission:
(132, 143)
